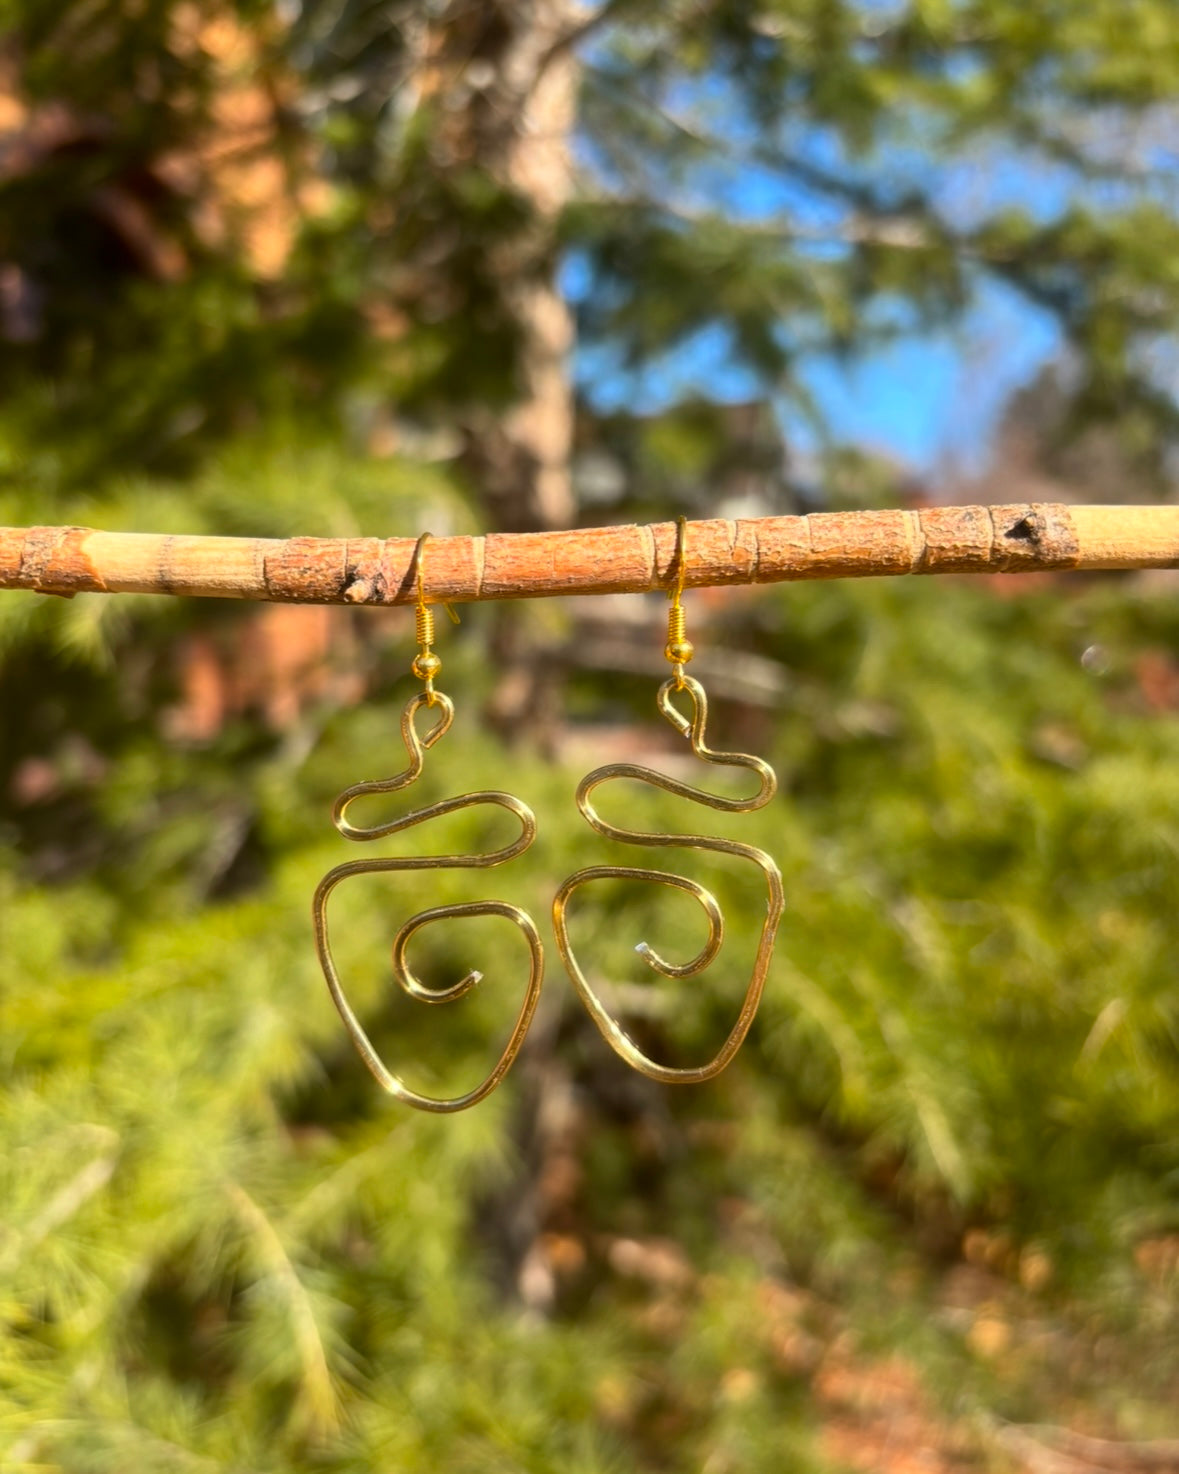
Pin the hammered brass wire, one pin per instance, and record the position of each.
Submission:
(416, 746)
(694, 729)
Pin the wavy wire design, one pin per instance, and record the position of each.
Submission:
(415, 746)
(693, 728)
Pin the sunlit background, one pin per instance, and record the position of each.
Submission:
(355, 267)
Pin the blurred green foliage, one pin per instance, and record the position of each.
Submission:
(950, 1148)
(218, 215)
(222, 1245)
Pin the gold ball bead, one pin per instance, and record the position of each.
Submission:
(426, 666)
(679, 652)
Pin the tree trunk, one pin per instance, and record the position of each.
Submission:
(508, 94)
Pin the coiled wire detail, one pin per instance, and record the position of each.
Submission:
(426, 666)
(693, 728)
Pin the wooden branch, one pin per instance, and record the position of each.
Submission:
(366, 570)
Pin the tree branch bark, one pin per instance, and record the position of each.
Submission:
(1021, 538)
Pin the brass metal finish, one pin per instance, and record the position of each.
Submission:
(425, 666)
(678, 651)
(693, 728)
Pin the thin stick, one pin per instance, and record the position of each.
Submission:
(365, 570)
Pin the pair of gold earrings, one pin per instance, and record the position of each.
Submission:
(426, 666)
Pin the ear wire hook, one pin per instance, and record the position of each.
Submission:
(679, 649)
(426, 665)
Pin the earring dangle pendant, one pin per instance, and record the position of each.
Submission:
(426, 666)
(678, 651)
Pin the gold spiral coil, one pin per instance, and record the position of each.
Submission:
(693, 728)
(423, 623)
(679, 649)
(426, 666)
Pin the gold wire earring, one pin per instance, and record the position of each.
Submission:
(426, 666)
(678, 651)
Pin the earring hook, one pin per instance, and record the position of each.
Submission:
(681, 539)
(426, 665)
(679, 649)
(415, 564)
